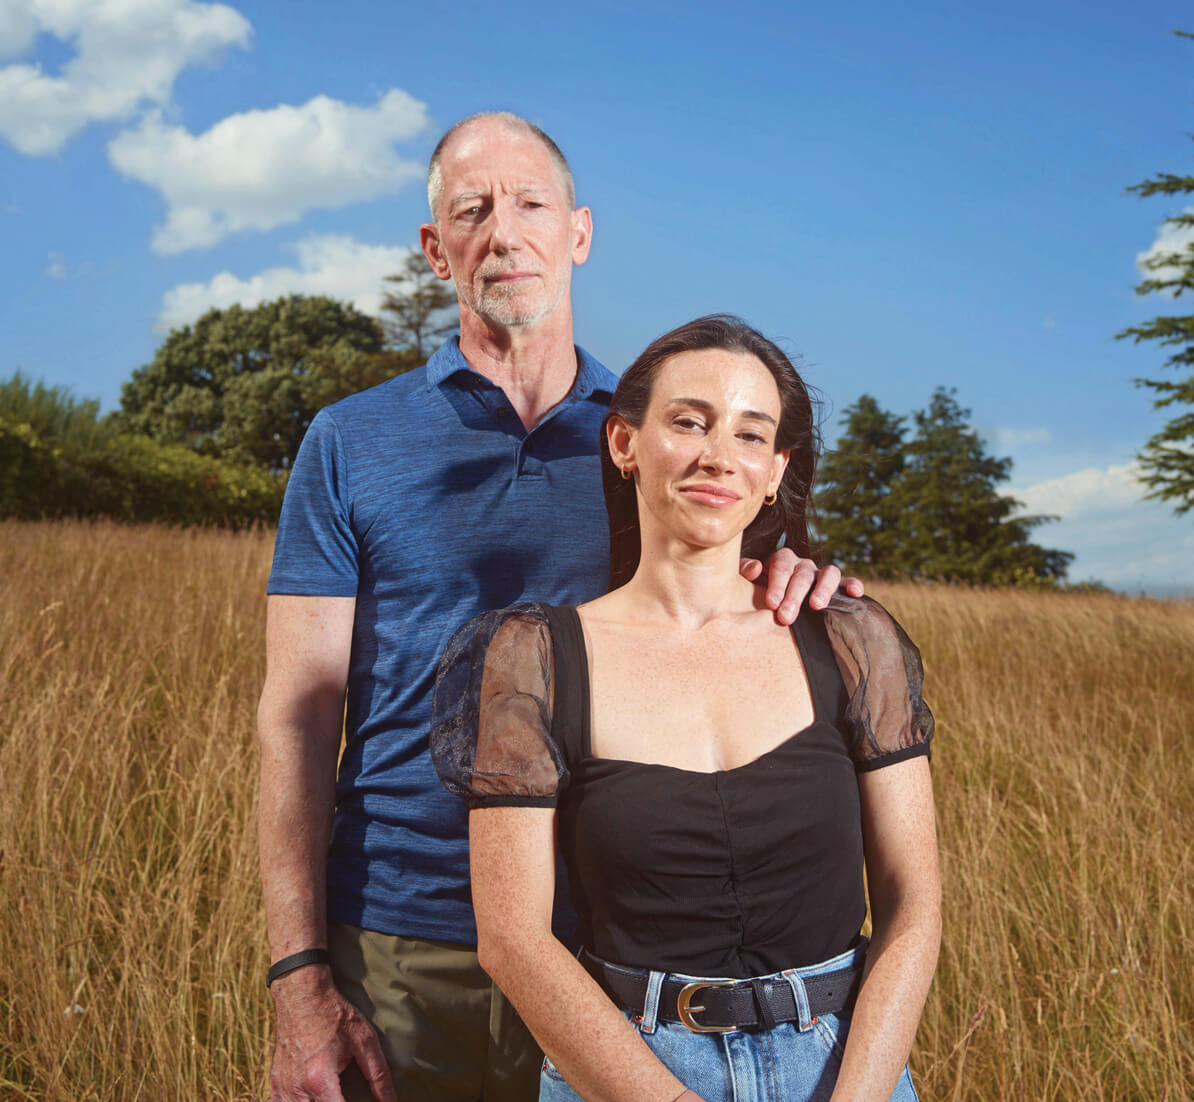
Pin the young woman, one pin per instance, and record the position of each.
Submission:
(714, 780)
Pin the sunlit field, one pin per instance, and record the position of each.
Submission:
(132, 948)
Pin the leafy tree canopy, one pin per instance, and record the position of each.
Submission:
(929, 506)
(52, 412)
(1168, 455)
(243, 383)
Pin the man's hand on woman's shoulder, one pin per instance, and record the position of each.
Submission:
(790, 578)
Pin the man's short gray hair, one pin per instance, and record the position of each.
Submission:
(435, 177)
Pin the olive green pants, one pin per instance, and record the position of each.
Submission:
(447, 1032)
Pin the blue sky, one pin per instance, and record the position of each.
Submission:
(907, 195)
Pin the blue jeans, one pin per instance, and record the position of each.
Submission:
(794, 1062)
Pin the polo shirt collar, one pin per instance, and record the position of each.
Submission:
(591, 376)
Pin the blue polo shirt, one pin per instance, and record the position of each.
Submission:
(426, 500)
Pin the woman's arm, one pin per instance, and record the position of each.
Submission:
(513, 874)
(900, 838)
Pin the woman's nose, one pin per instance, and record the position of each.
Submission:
(714, 457)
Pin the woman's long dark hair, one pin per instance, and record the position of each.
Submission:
(797, 432)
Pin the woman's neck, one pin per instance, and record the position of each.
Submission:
(689, 587)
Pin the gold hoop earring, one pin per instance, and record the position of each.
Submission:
(625, 473)
(769, 499)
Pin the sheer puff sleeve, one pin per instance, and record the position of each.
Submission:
(491, 721)
(886, 719)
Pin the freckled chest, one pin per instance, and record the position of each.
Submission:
(706, 700)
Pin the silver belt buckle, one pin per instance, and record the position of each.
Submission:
(686, 1010)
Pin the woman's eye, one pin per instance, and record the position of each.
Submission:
(752, 437)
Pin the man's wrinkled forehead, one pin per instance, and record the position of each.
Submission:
(478, 154)
(489, 148)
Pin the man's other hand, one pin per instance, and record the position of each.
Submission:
(790, 578)
(320, 1033)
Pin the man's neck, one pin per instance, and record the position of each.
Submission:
(534, 365)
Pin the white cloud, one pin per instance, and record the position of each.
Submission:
(18, 27)
(337, 266)
(1170, 239)
(1084, 492)
(1116, 536)
(262, 169)
(56, 266)
(128, 54)
(1019, 438)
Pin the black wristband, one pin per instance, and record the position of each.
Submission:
(296, 960)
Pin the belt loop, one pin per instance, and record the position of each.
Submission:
(800, 993)
(651, 1002)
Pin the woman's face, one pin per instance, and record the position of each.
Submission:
(705, 456)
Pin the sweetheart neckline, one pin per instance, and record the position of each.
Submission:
(709, 772)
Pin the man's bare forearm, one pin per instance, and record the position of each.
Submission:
(298, 770)
(299, 721)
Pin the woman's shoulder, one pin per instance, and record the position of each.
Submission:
(492, 710)
(524, 620)
(493, 640)
(887, 717)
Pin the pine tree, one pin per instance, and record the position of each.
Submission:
(417, 311)
(952, 522)
(1168, 456)
(856, 517)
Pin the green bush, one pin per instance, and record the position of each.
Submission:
(129, 478)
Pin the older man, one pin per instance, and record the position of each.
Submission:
(466, 485)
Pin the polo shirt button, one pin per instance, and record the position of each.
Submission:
(504, 413)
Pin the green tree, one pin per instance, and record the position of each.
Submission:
(856, 515)
(952, 522)
(418, 309)
(243, 383)
(1168, 455)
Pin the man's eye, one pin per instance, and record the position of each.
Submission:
(687, 423)
(752, 437)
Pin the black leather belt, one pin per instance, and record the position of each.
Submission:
(723, 1005)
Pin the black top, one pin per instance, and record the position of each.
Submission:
(735, 873)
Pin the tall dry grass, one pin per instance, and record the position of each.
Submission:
(131, 942)
(131, 937)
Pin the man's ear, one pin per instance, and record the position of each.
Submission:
(620, 435)
(433, 250)
(582, 234)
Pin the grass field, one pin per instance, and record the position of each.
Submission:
(132, 944)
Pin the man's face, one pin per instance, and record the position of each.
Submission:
(504, 231)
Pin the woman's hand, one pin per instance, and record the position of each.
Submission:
(789, 579)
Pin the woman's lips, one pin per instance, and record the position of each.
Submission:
(709, 494)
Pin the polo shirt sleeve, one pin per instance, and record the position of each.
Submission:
(316, 550)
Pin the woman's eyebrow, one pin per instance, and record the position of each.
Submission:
(707, 407)
(759, 415)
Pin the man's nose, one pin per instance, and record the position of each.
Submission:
(505, 228)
